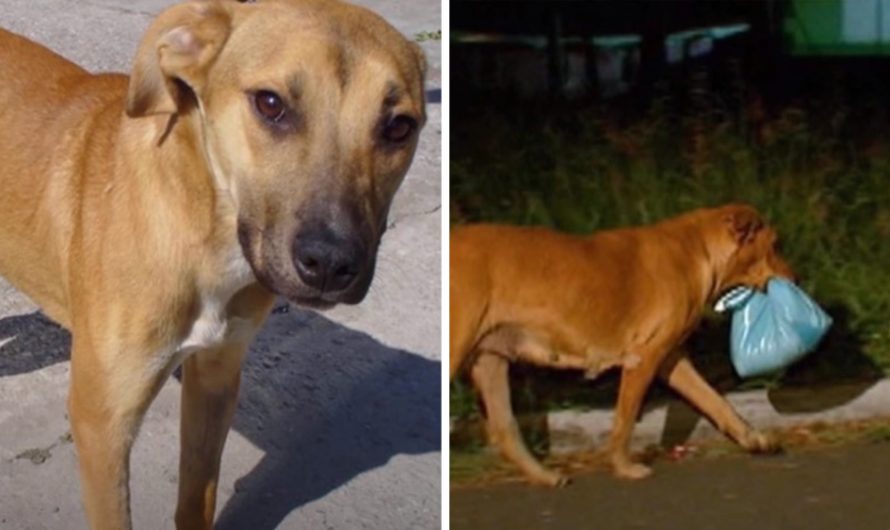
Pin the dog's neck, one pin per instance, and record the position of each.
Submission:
(717, 270)
(183, 179)
(182, 185)
(699, 239)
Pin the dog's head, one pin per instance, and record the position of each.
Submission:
(750, 253)
(309, 113)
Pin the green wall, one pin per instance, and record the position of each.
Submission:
(838, 27)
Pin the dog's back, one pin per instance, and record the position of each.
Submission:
(36, 82)
(45, 101)
(594, 296)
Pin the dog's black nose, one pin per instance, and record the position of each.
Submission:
(326, 261)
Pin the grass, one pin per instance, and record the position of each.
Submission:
(818, 167)
(424, 36)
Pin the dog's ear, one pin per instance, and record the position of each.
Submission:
(420, 61)
(177, 49)
(743, 222)
(420, 57)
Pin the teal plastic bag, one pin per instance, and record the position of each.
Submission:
(772, 330)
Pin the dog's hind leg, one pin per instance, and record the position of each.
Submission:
(682, 376)
(210, 381)
(489, 374)
(467, 310)
(460, 343)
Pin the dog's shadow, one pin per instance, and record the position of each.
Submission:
(325, 403)
(31, 342)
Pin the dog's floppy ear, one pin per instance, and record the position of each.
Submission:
(420, 57)
(420, 61)
(177, 49)
(743, 222)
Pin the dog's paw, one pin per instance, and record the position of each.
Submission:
(560, 481)
(550, 479)
(631, 470)
(761, 442)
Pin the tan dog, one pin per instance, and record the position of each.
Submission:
(254, 150)
(621, 298)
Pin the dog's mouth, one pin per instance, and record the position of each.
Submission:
(734, 287)
(327, 300)
(737, 291)
(317, 303)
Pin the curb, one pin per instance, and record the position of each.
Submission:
(670, 422)
(674, 422)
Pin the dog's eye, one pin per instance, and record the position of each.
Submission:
(398, 129)
(269, 105)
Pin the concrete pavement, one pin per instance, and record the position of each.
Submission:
(826, 489)
(338, 423)
(673, 421)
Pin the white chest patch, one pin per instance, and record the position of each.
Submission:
(209, 330)
(213, 328)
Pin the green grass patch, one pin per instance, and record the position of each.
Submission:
(424, 36)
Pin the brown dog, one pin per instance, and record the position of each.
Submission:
(255, 149)
(623, 298)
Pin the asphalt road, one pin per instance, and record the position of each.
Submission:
(338, 424)
(828, 489)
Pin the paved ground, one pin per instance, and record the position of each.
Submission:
(338, 425)
(842, 487)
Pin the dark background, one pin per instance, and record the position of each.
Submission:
(797, 129)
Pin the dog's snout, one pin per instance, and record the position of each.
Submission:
(776, 260)
(781, 268)
(326, 261)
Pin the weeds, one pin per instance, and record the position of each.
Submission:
(424, 36)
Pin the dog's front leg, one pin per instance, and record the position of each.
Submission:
(682, 376)
(210, 381)
(108, 397)
(637, 374)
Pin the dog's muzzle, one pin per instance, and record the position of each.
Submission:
(333, 264)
